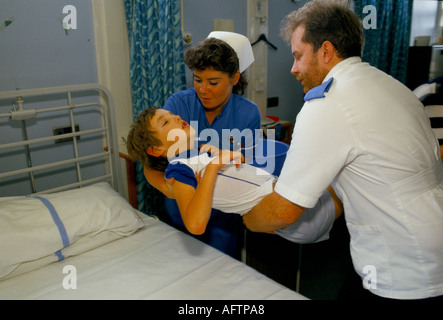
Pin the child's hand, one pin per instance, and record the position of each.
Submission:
(238, 158)
(235, 156)
(226, 156)
(210, 148)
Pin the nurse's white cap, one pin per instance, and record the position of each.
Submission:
(240, 44)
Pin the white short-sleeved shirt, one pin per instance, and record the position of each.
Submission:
(369, 136)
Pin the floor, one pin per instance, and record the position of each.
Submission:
(324, 265)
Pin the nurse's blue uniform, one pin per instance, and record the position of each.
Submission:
(224, 231)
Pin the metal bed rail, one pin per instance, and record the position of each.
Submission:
(109, 151)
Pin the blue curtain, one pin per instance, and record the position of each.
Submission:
(156, 69)
(387, 46)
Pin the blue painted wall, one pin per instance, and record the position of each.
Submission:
(36, 51)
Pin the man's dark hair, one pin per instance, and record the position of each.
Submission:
(327, 20)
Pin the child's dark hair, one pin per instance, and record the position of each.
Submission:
(217, 54)
(141, 137)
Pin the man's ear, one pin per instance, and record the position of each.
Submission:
(155, 151)
(328, 51)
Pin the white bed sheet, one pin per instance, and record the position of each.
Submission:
(157, 262)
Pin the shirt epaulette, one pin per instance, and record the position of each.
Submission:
(319, 91)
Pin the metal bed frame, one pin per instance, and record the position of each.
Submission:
(109, 154)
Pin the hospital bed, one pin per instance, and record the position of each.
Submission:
(66, 232)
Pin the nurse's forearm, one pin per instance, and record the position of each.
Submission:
(272, 213)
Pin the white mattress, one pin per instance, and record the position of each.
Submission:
(157, 262)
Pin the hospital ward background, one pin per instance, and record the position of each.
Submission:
(80, 51)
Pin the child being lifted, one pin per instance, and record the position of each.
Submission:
(211, 178)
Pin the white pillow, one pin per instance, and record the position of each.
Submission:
(38, 230)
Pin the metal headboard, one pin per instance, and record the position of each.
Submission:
(80, 100)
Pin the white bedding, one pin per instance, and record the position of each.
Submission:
(38, 230)
(156, 262)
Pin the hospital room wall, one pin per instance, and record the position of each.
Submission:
(112, 54)
(36, 51)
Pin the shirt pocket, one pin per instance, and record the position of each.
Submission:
(370, 255)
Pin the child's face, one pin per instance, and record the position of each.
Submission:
(172, 131)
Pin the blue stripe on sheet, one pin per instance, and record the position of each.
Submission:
(58, 222)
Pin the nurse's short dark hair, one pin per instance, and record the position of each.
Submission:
(327, 20)
(220, 56)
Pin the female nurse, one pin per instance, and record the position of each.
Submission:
(215, 106)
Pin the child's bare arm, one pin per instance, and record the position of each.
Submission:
(195, 205)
